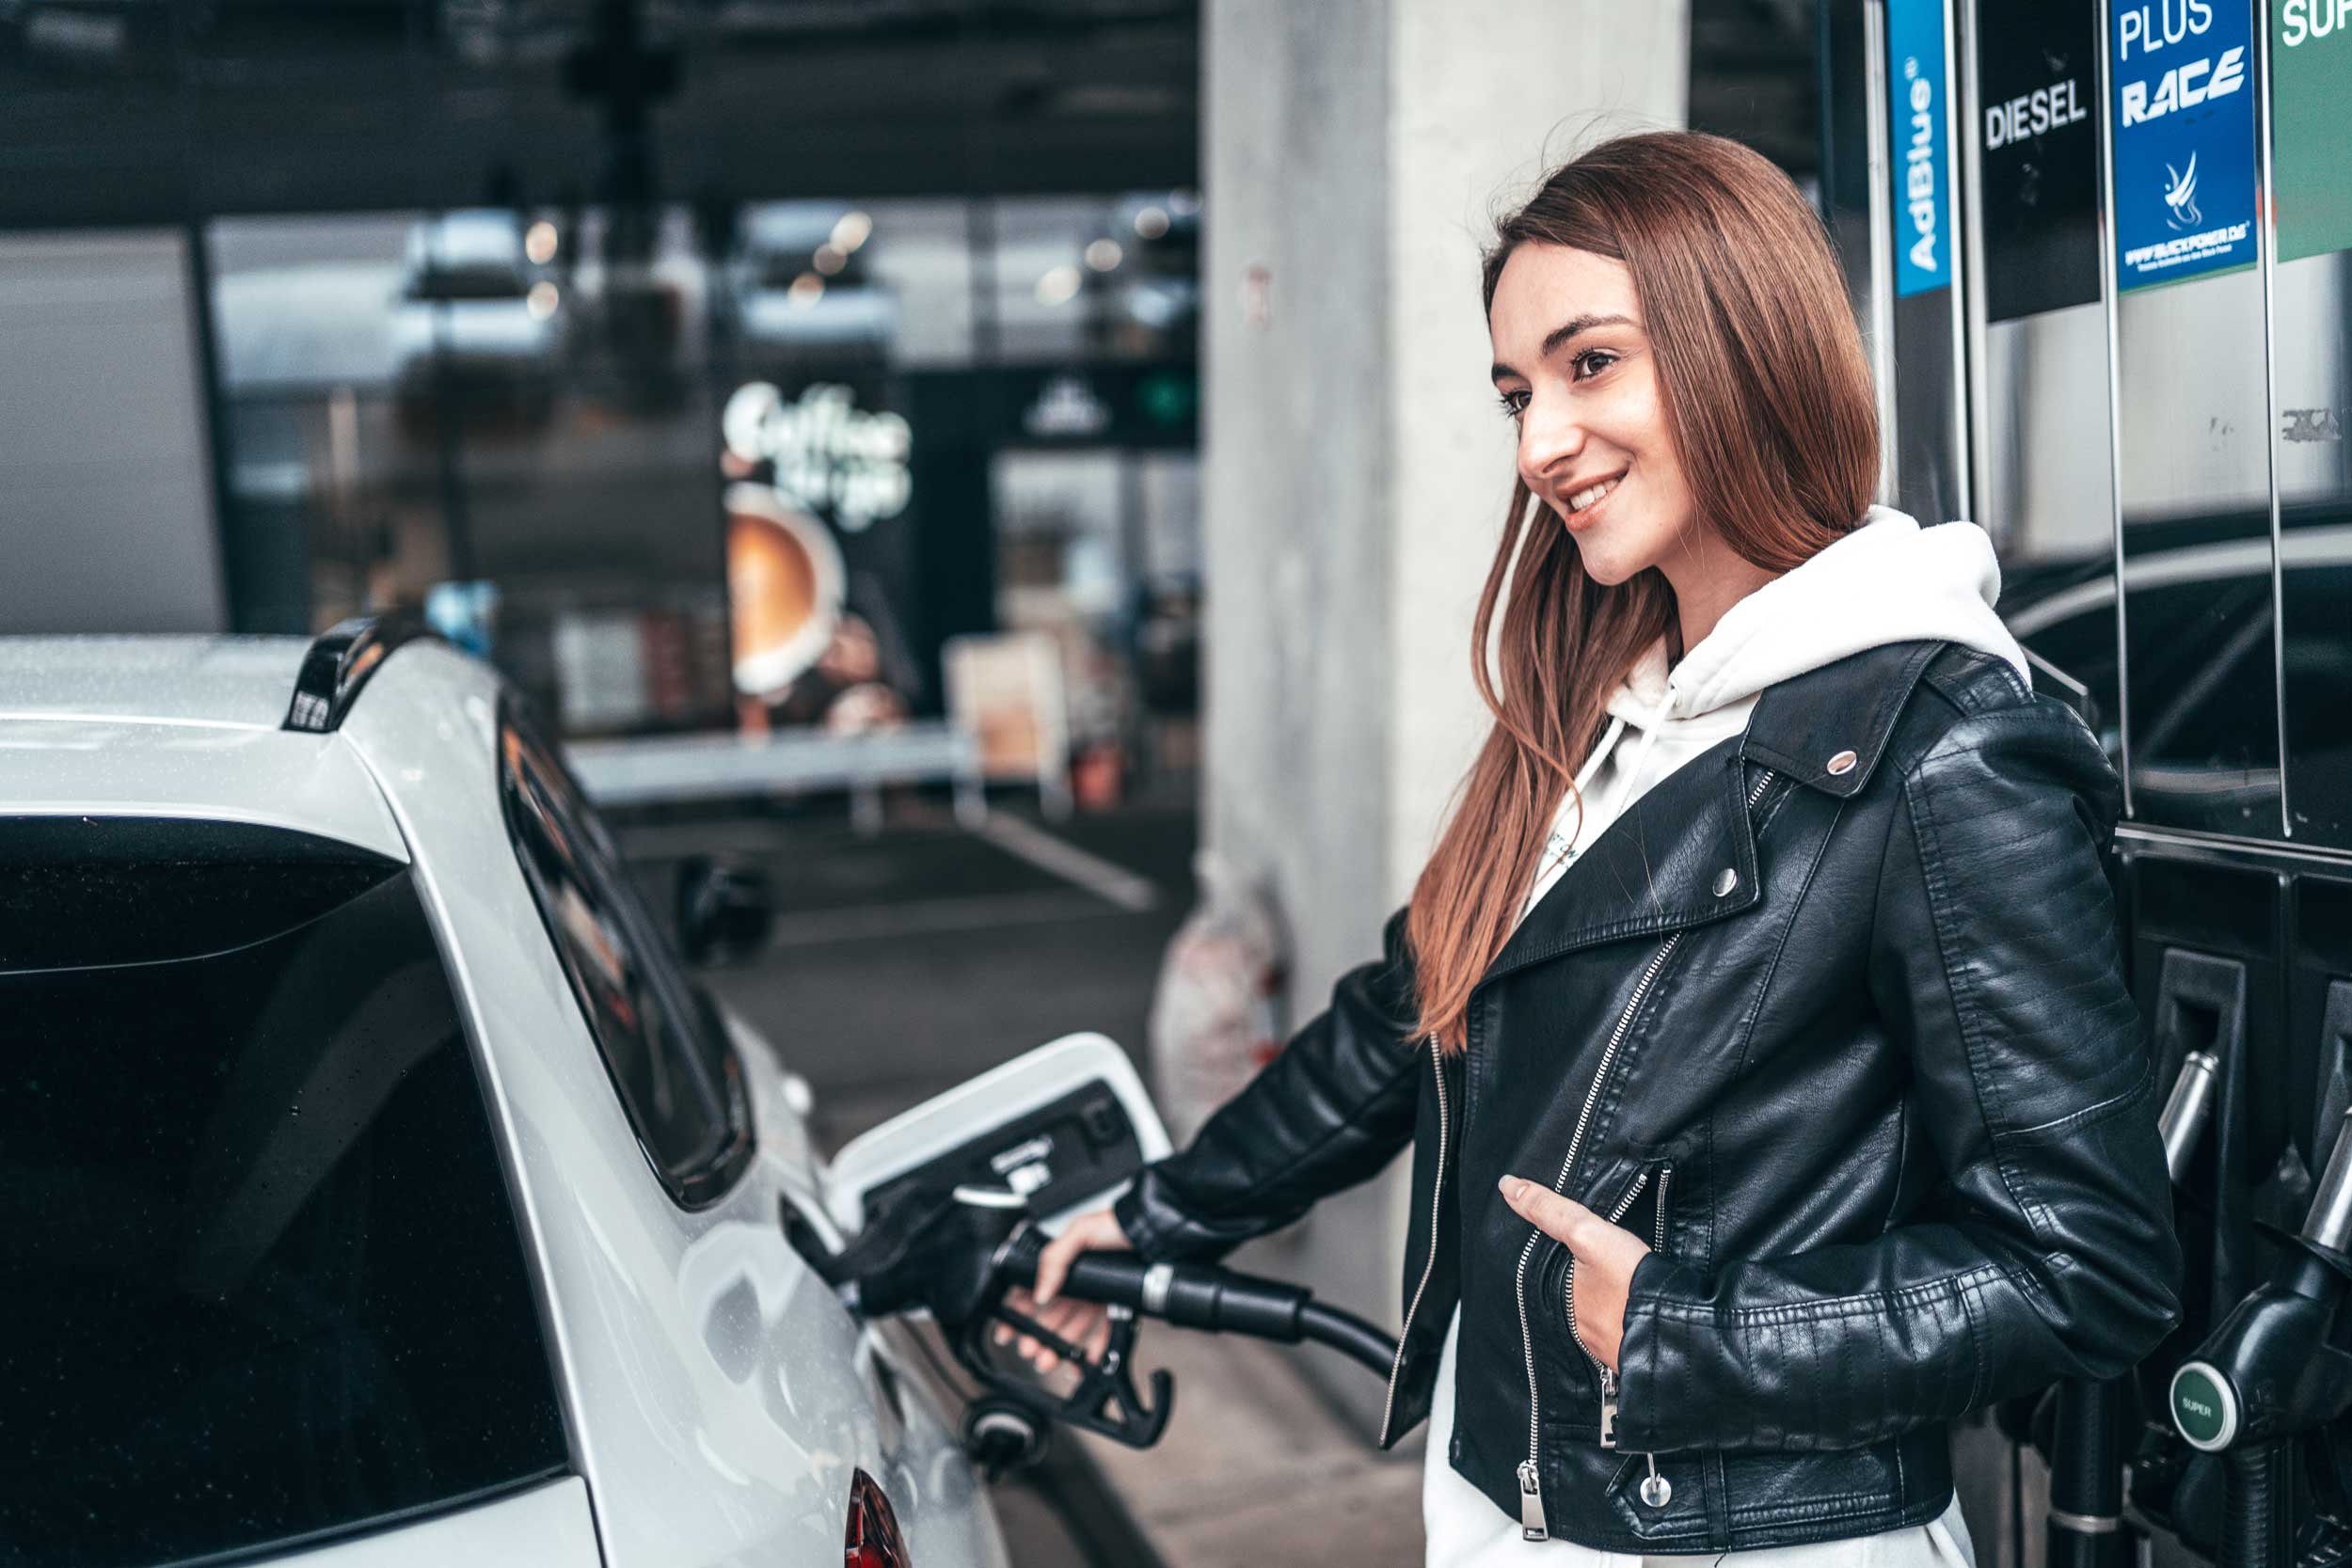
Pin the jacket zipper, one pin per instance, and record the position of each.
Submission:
(1436, 1209)
(1531, 1522)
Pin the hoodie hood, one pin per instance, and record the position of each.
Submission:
(1889, 580)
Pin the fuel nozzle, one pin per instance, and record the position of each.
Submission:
(2271, 1373)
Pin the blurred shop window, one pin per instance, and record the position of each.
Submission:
(666, 1051)
(921, 253)
(579, 412)
(1006, 688)
(1099, 550)
(332, 512)
(804, 280)
(517, 402)
(1094, 277)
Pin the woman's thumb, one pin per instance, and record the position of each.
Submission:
(1053, 1266)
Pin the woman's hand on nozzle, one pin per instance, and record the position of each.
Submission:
(1084, 1324)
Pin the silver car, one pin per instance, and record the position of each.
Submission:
(374, 1186)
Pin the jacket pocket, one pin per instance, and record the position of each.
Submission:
(1643, 1207)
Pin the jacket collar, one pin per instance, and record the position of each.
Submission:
(1684, 853)
(1804, 724)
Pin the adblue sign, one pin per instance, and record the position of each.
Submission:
(2183, 197)
(1919, 100)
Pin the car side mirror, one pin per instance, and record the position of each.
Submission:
(723, 911)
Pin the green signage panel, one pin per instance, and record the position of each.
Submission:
(2311, 61)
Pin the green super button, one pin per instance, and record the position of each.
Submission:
(2204, 1406)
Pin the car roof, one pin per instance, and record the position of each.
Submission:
(186, 727)
(164, 680)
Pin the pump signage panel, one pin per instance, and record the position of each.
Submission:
(2038, 127)
(2184, 113)
(1918, 106)
(2311, 124)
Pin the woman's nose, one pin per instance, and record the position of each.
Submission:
(1549, 440)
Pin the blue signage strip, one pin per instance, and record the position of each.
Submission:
(2182, 75)
(1918, 104)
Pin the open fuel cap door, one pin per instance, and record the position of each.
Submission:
(1058, 1130)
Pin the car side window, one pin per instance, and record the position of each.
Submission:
(676, 1076)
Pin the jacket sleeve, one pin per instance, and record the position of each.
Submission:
(1993, 961)
(1332, 1108)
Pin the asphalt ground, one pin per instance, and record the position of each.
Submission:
(903, 964)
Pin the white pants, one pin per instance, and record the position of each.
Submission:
(1466, 1529)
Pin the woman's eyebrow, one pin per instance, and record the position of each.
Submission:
(1562, 333)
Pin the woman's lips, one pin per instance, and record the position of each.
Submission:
(1579, 521)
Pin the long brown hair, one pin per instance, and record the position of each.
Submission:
(1768, 401)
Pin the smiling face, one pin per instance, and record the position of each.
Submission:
(1574, 365)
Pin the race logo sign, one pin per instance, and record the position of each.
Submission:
(2311, 61)
(2183, 113)
(1919, 98)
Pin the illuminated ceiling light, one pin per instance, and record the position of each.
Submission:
(1183, 203)
(1152, 223)
(1102, 255)
(539, 244)
(852, 231)
(806, 290)
(542, 300)
(1059, 286)
(830, 259)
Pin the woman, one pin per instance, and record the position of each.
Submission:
(1757, 1023)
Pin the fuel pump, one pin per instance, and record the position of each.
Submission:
(2086, 1448)
(2275, 1372)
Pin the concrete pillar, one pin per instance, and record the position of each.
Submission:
(1356, 463)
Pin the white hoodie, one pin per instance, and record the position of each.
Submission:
(1889, 580)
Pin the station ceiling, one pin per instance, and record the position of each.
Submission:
(142, 111)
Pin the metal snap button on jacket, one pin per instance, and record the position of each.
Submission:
(1725, 880)
(1842, 763)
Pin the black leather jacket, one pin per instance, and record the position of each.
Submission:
(1834, 1018)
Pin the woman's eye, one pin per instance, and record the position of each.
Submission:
(1511, 408)
(1592, 362)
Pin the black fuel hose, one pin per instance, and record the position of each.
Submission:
(2086, 1528)
(1213, 1300)
(2257, 1519)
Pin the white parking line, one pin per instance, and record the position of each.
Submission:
(1114, 883)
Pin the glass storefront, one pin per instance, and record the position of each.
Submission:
(669, 468)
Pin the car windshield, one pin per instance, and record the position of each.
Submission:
(261, 1282)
